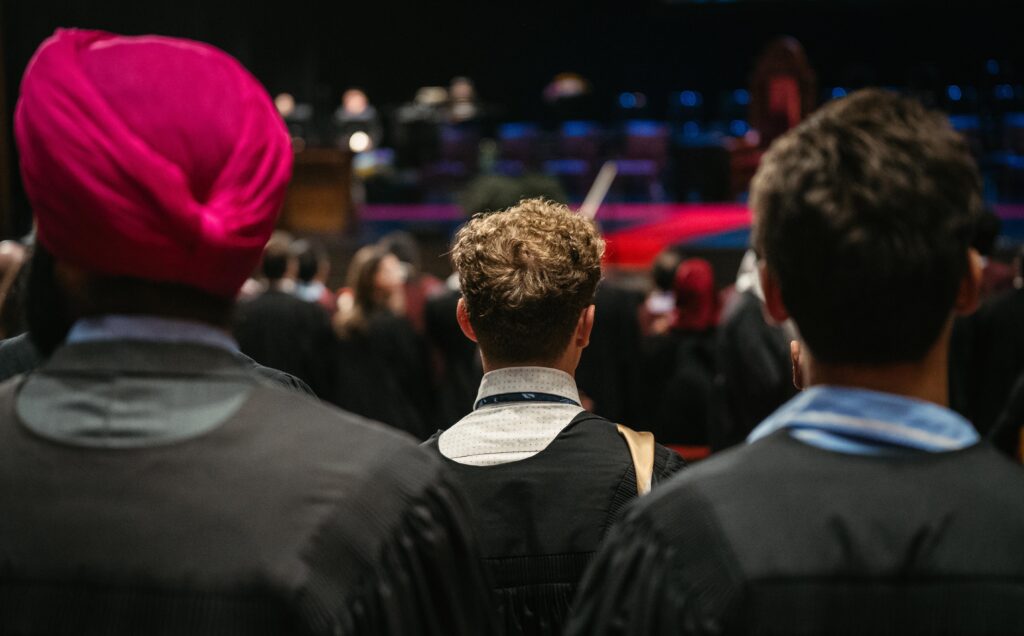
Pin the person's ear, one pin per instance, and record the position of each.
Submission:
(798, 371)
(585, 327)
(462, 316)
(968, 296)
(773, 304)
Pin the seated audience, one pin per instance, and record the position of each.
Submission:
(151, 482)
(863, 505)
(281, 331)
(544, 477)
(382, 368)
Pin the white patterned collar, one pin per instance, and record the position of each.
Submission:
(513, 430)
(528, 379)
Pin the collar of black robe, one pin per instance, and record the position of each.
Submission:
(504, 398)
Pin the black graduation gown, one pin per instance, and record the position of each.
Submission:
(540, 519)
(754, 372)
(779, 537)
(152, 488)
(678, 374)
(383, 373)
(986, 360)
(460, 367)
(607, 372)
(280, 331)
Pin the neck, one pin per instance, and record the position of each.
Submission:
(926, 379)
(566, 363)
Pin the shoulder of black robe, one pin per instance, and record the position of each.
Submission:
(283, 332)
(17, 355)
(356, 531)
(287, 380)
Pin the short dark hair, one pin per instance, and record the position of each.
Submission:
(864, 213)
(309, 254)
(276, 257)
(527, 274)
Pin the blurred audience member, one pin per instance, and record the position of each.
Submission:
(987, 354)
(151, 483)
(462, 105)
(996, 277)
(863, 504)
(12, 257)
(752, 360)
(383, 371)
(656, 312)
(313, 266)
(544, 477)
(678, 366)
(281, 331)
(420, 286)
(459, 371)
(356, 122)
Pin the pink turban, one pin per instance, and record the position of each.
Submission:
(150, 157)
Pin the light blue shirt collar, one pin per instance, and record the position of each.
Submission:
(863, 422)
(150, 329)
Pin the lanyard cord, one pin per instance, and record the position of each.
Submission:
(503, 398)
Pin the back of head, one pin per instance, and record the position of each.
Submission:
(527, 273)
(310, 257)
(278, 258)
(864, 214)
(150, 158)
(663, 270)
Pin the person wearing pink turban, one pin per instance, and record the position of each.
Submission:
(150, 480)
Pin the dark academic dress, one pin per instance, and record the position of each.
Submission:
(383, 373)
(541, 519)
(157, 488)
(281, 331)
(781, 537)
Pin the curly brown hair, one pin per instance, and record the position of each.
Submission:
(527, 273)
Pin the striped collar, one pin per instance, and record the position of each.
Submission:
(863, 422)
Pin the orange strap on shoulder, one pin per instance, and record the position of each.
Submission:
(641, 448)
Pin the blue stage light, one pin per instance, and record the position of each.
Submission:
(738, 127)
(689, 99)
(741, 96)
(1004, 91)
(627, 100)
(954, 93)
(691, 129)
(992, 66)
(838, 92)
